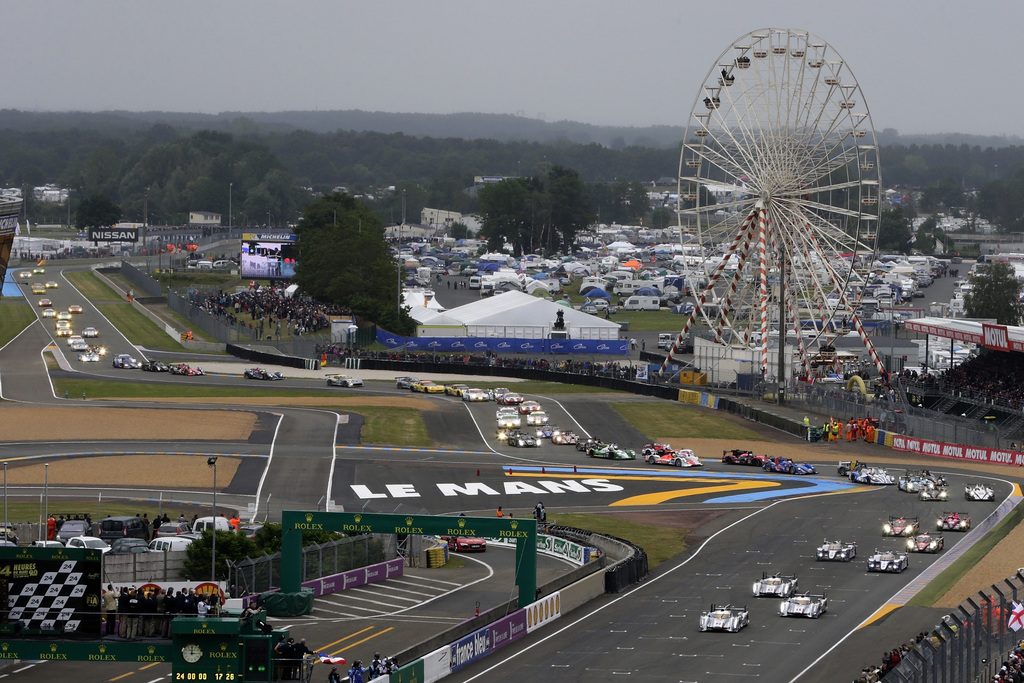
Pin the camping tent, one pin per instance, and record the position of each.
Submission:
(596, 293)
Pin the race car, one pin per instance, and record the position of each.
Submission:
(586, 444)
(939, 493)
(564, 438)
(683, 457)
(875, 476)
(44, 303)
(724, 618)
(25, 274)
(455, 389)
(90, 332)
(343, 381)
(537, 418)
(890, 561)
(49, 313)
(425, 386)
(405, 382)
(38, 288)
(64, 315)
(979, 492)
(953, 521)
(510, 421)
(509, 399)
(656, 449)
(527, 407)
(474, 395)
(155, 366)
(52, 284)
(465, 544)
(547, 431)
(89, 356)
(185, 369)
(521, 440)
(611, 451)
(836, 551)
(901, 526)
(914, 480)
(787, 466)
(743, 456)
(778, 585)
(260, 373)
(926, 543)
(126, 362)
(78, 344)
(804, 605)
(74, 308)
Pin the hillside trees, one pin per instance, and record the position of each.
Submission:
(995, 293)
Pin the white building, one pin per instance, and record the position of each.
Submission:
(203, 218)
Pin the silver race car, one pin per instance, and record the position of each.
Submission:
(724, 618)
(888, 561)
(937, 493)
(778, 585)
(836, 551)
(804, 605)
(979, 492)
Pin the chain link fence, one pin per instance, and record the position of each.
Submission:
(261, 574)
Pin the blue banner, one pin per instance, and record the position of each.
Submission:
(499, 345)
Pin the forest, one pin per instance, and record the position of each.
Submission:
(264, 170)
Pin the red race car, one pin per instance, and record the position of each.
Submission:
(743, 456)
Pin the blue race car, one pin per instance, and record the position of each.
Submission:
(788, 466)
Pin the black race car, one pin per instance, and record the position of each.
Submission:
(154, 366)
(260, 373)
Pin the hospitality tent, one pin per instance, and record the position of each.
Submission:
(512, 315)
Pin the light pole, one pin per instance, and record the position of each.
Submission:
(6, 527)
(230, 191)
(46, 498)
(212, 462)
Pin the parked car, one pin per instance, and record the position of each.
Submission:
(173, 529)
(170, 543)
(88, 543)
(113, 528)
(73, 527)
(125, 546)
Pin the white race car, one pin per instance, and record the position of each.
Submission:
(836, 551)
(804, 605)
(888, 561)
(778, 585)
(979, 492)
(724, 618)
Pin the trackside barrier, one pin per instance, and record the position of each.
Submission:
(353, 363)
(270, 358)
(556, 598)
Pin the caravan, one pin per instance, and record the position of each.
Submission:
(642, 303)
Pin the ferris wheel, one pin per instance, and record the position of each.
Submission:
(778, 197)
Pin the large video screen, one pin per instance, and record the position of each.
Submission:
(268, 256)
(49, 590)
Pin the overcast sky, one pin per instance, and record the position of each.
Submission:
(924, 67)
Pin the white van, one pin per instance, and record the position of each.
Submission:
(474, 281)
(627, 287)
(642, 303)
(206, 523)
(204, 265)
(170, 543)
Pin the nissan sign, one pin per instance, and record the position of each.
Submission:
(113, 234)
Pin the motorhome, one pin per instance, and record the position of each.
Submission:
(642, 303)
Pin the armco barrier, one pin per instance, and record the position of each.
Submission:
(268, 358)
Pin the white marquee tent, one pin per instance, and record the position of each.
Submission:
(511, 315)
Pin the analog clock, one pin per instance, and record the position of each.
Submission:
(192, 653)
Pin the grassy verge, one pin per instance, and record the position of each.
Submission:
(139, 329)
(91, 287)
(941, 584)
(394, 426)
(676, 421)
(103, 389)
(15, 315)
(660, 543)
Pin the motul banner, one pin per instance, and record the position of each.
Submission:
(957, 451)
(995, 337)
